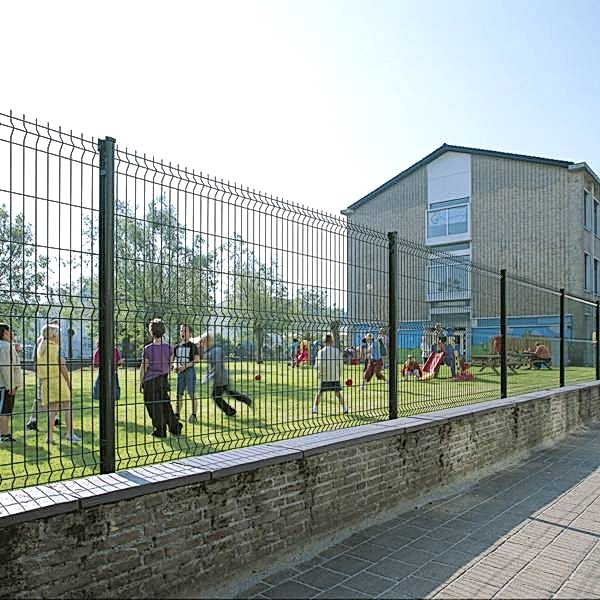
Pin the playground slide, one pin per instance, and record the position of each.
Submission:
(432, 364)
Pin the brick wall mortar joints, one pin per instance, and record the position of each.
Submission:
(445, 451)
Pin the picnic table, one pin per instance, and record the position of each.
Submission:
(492, 362)
(534, 361)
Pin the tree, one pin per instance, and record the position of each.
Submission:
(23, 272)
(161, 270)
(256, 296)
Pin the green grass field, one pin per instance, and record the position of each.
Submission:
(282, 409)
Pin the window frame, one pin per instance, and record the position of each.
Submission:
(447, 206)
(441, 296)
(588, 210)
(588, 272)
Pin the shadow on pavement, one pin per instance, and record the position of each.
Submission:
(418, 554)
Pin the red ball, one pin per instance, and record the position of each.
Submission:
(348, 382)
(258, 377)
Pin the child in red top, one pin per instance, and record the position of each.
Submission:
(411, 367)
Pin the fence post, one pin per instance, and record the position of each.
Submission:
(503, 337)
(562, 338)
(106, 269)
(598, 340)
(392, 279)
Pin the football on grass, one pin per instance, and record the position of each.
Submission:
(348, 382)
(258, 377)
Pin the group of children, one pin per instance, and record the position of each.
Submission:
(54, 385)
(158, 358)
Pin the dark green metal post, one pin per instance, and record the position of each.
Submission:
(503, 337)
(562, 338)
(393, 276)
(106, 269)
(597, 340)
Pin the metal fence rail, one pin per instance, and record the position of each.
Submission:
(101, 241)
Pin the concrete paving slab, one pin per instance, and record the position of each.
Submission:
(530, 531)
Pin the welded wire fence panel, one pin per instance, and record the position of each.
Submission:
(246, 286)
(239, 318)
(580, 349)
(533, 337)
(48, 202)
(438, 296)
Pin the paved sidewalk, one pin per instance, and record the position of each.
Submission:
(530, 531)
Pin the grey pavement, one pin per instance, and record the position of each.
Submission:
(531, 530)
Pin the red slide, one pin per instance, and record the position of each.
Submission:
(432, 364)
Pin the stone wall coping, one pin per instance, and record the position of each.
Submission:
(35, 502)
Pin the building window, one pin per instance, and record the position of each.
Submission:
(449, 276)
(448, 221)
(588, 273)
(596, 276)
(587, 210)
(596, 218)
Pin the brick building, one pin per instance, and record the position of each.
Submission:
(538, 218)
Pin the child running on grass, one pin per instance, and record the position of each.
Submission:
(217, 373)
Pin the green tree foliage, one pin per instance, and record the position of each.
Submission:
(161, 270)
(256, 297)
(23, 273)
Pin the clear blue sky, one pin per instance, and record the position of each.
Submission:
(318, 102)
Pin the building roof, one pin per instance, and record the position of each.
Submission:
(449, 148)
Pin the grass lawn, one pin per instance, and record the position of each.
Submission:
(281, 409)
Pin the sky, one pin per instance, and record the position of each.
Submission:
(315, 102)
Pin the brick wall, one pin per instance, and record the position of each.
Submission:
(203, 521)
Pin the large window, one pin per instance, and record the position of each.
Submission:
(596, 276)
(448, 221)
(449, 277)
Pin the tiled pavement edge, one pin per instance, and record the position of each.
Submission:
(532, 530)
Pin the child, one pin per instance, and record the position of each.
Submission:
(219, 375)
(329, 363)
(294, 347)
(154, 378)
(55, 388)
(186, 357)
(11, 377)
(37, 401)
(375, 362)
(303, 356)
(411, 367)
(117, 362)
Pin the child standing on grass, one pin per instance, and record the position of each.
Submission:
(37, 401)
(154, 377)
(329, 364)
(117, 362)
(55, 388)
(186, 357)
(11, 377)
